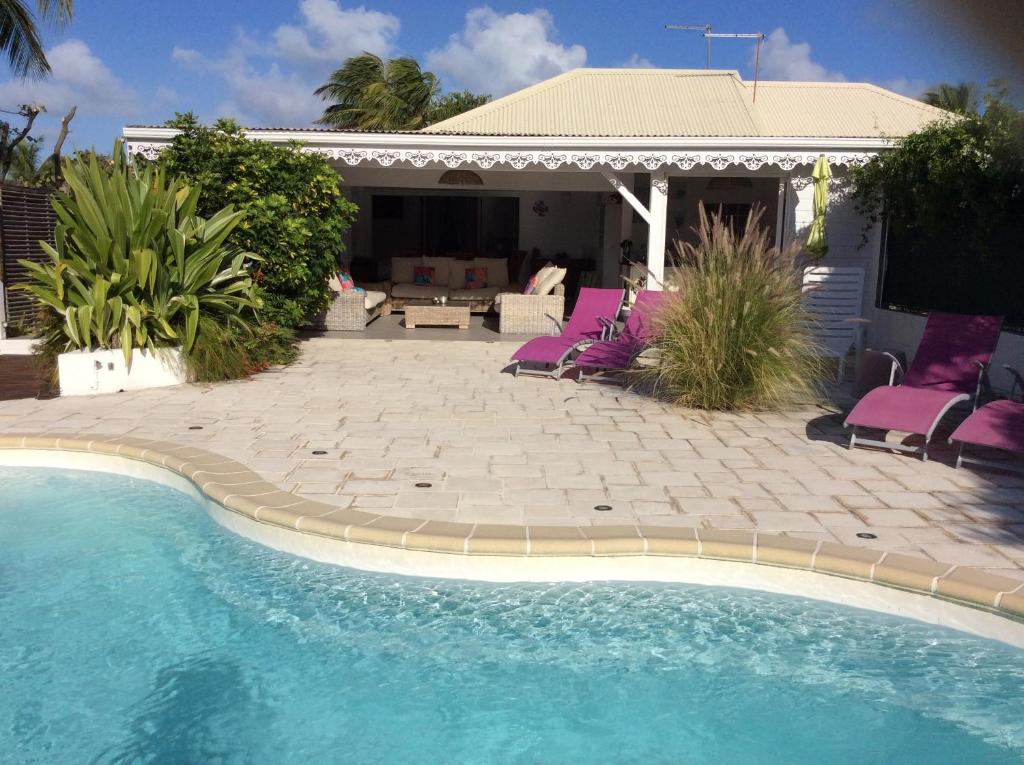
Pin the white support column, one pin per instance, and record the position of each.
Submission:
(626, 218)
(626, 230)
(658, 222)
(780, 212)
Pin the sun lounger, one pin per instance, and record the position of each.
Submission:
(591, 320)
(618, 354)
(997, 425)
(947, 370)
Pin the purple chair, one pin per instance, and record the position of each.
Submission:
(948, 369)
(620, 352)
(997, 425)
(591, 320)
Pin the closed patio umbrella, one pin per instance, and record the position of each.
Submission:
(817, 244)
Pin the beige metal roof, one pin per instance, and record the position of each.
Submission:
(692, 103)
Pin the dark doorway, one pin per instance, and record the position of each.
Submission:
(444, 225)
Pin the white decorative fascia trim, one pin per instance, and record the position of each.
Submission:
(551, 159)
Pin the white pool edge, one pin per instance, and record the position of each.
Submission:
(496, 568)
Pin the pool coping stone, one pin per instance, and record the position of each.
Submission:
(237, 488)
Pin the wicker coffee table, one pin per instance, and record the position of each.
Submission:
(437, 315)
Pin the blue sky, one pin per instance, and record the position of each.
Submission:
(138, 61)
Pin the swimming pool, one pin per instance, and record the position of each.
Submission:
(134, 628)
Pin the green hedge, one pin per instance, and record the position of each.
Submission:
(295, 215)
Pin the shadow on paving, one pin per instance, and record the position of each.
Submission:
(993, 498)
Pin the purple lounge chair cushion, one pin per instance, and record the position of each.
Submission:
(584, 324)
(949, 351)
(945, 370)
(999, 425)
(592, 303)
(910, 410)
(545, 350)
(606, 355)
(618, 353)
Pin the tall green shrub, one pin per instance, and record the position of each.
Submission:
(735, 335)
(295, 215)
(952, 195)
(134, 265)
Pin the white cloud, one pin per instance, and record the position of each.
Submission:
(268, 97)
(498, 53)
(331, 33)
(271, 82)
(905, 87)
(782, 59)
(636, 61)
(78, 77)
(165, 96)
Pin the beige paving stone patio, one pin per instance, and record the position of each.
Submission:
(497, 449)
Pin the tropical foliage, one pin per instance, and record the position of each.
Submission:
(369, 93)
(952, 196)
(962, 98)
(734, 336)
(295, 215)
(134, 265)
(25, 163)
(453, 104)
(19, 35)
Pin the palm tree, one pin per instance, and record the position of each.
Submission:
(452, 104)
(19, 36)
(369, 93)
(25, 167)
(962, 98)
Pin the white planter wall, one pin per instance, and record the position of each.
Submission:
(87, 372)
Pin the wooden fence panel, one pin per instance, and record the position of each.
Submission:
(26, 217)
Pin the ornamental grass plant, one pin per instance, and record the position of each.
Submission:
(735, 335)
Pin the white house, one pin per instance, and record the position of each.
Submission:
(580, 162)
(592, 157)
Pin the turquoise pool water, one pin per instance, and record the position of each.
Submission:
(134, 629)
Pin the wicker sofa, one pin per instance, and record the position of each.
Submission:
(531, 314)
(449, 280)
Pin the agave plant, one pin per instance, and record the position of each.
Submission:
(133, 265)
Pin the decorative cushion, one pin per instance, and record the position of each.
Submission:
(476, 278)
(549, 280)
(345, 278)
(423, 274)
(531, 284)
(537, 278)
(442, 269)
(402, 269)
(497, 270)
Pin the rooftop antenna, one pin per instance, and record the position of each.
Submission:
(709, 35)
(705, 28)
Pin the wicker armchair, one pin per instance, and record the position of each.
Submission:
(348, 311)
(532, 314)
